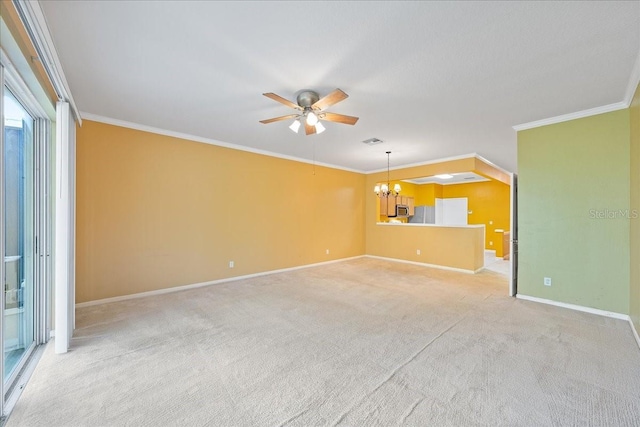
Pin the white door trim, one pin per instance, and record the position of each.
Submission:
(513, 240)
(64, 230)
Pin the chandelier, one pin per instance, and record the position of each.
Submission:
(384, 190)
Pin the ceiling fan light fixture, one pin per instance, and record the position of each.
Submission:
(295, 126)
(310, 110)
(312, 119)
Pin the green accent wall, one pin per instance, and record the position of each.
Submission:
(573, 194)
(634, 295)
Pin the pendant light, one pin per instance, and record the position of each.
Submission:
(384, 190)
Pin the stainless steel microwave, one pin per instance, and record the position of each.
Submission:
(402, 211)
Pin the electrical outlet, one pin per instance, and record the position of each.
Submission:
(490, 243)
(547, 281)
(327, 252)
(231, 264)
(418, 252)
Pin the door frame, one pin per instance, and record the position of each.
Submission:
(513, 241)
(43, 215)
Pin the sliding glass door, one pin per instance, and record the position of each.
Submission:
(27, 112)
(19, 180)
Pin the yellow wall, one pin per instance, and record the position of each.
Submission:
(427, 194)
(489, 201)
(408, 189)
(156, 212)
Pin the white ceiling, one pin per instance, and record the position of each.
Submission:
(431, 79)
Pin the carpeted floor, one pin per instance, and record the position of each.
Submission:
(364, 342)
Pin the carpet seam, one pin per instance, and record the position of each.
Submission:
(395, 371)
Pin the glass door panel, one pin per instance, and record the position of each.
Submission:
(19, 239)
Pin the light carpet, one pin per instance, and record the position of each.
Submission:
(364, 342)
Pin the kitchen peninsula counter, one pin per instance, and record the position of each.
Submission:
(430, 225)
(455, 247)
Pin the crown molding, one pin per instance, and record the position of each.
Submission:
(634, 81)
(144, 128)
(493, 165)
(194, 138)
(632, 85)
(572, 116)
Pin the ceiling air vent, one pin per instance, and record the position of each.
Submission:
(373, 141)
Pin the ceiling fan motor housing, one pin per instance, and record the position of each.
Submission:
(307, 98)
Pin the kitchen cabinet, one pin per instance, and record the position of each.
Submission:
(409, 201)
(388, 206)
(391, 206)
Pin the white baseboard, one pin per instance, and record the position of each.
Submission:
(424, 264)
(203, 284)
(584, 309)
(635, 331)
(575, 307)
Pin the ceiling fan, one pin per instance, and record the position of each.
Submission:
(311, 110)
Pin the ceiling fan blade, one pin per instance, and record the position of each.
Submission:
(333, 98)
(277, 119)
(310, 130)
(338, 118)
(282, 100)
